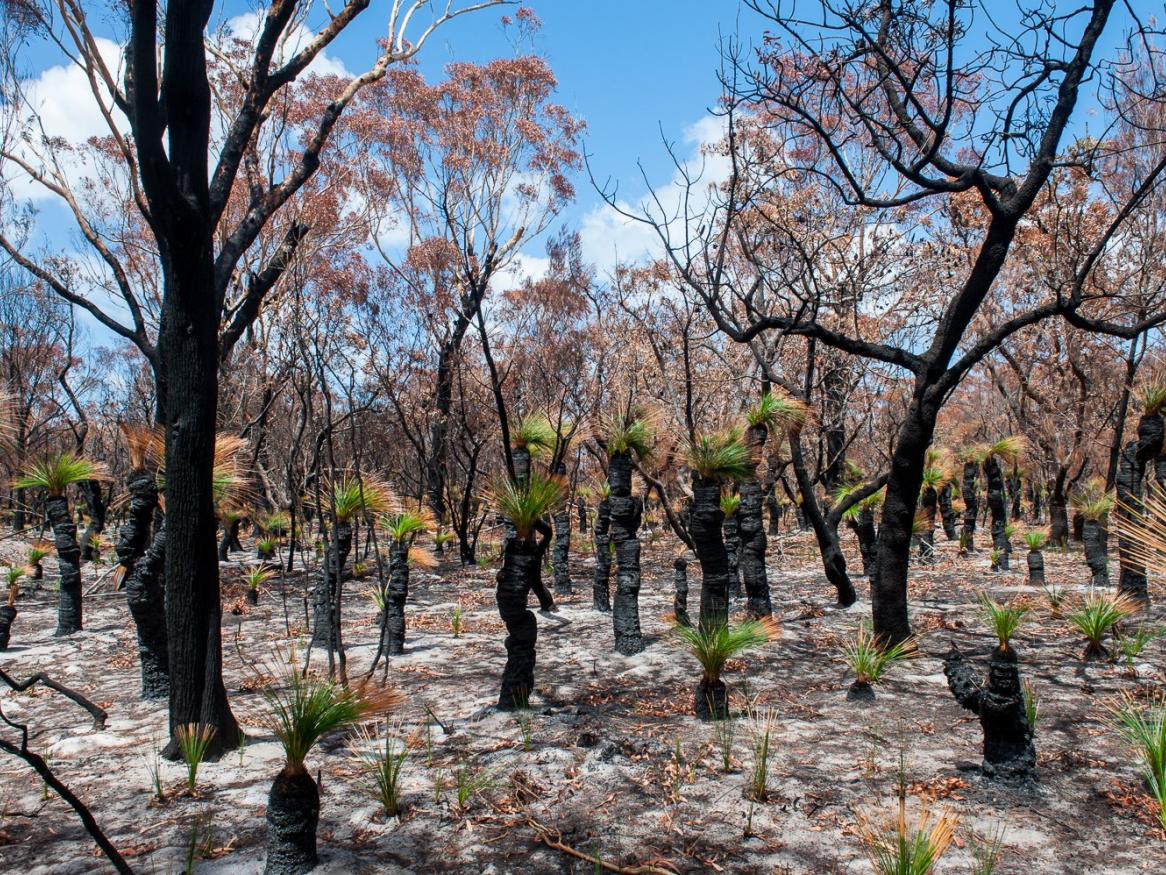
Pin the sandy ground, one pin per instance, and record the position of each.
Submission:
(616, 765)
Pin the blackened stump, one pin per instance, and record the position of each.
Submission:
(69, 563)
(396, 594)
(601, 582)
(752, 532)
(680, 583)
(293, 814)
(146, 599)
(705, 527)
(7, 617)
(515, 577)
(712, 700)
(626, 513)
(324, 594)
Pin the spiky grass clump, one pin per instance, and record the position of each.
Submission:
(306, 709)
(627, 433)
(267, 546)
(903, 847)
(778, 411)
(720, 456)
(869, 656)
(1144, 730)
(274, 524)
(1092, 501)
(729, 505)
(407, 524)
(1008, 450)
(352, 496)
(257, 577)
(194, 739)
(144, 444)
(1152, 394)
(423, 559)
(534, 432)
(1144, 529)
(1035, 540)
(526, 504)
(381, 761)
(57, 473)
(1002, 619)
(716, 645)
(12, 584)
(1097, 615)
(38, 551)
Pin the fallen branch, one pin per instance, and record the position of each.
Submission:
(556, 842)
(98, 714)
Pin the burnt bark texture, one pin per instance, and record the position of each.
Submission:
(230, 540)
(680, 585)
(325, 623)
(601, 581)
(626, 513)
(96, 506)
(293, 814)
(711, 701)
(7, 618)
(396, 594)
(998, 508)
(1096, 551)
(546, 601)
(732, 532)
(515, 578)
(968, 488)
(867, 534)
(1036, 568)
(1015, 491)
(69, 563)
(947, 513)
(773, 508)
(1009, 754)
(134, 535)
(752, 531)
(561, 551)
(705, 527)
(146, 599)
(1058, 510)
(929, 504)
(829, 547)
(1130, 482)
(584, 520)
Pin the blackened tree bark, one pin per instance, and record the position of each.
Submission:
(680, 586)
(773, 507)
(1095, 536)
(1036, 568)
(561, 551)
(626, 513)
(1130, 482)
(396, 594)
(96, 506)
(230, 539)
(947, 512)
(520, 562)
(705, 527)
(1009, 754)
(293, 814)
(521, 461)
(826, 532)
(1015, 491)
(969, 490)
(581, 510)
(1059, 509)
(732, 532)
(325, 628)
(134, 535)
(994, 479)
(146, 599)
(929, 501)
(68, 562)
(601, 583)
(752, 529)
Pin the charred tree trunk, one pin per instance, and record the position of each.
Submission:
(732, 532)
(96, 506)
(134, 536)
(705, 527)
(711, 701)
(561, 552)
(999, 510)
(1009, 754)
(229, 541)
(774, 510)
(581, 510)
(833, 560)
(1096, 551)
(1015, 492)
(7, 618)
(1131, 475)
(69, 563)
(1078, 530)
(947, 513)
(325, 627)
(868, 548)
(146, 599)
(601, 583)
(546, 602)
(293, 814)
(752, 530)
(929, 501)
(680, 584)
(396, 594)
(1036, 568)
(626, 514)
(1058, 510)
(515, 578)
(971, 506)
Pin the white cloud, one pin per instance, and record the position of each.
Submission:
(522, 268)
(609, 237)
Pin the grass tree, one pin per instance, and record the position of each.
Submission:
(861, 519)
(346, 499)
(626, 436)
(255, 578)
(533, 436)
(144, 446)
(1133, 460)
(1005, 453)
(999, 702)
(8, 609)
(402, 528)
(713, 646)
(776, 411)
(730, 504)
(525, 505)
(601, 580)
(869, 656)
(973, 458)
(1143, 727)
(303, 711)
(55, 475)
(1098, 615)
(38, 551)
(715, 460)
(1094, 504)
(935, 477)
(1036, 541)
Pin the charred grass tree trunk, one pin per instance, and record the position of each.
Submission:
(69, 563)
(561, 551)
(732, 533)
(1095, 536)
(751, 526)
(680, 586)
(96, 505)
(1036, 568)
(396, 594)
(705, 527)
(1059, 510)
(947, 513)
(230, 539)
(1130, 482)
(929, 501)
(601, 583)
(146, 599)
(134, 535)
(546, 602)
(626, 513)
(1009, 754)
(968, 489)
(324, 594)
(520, 567)
(998, 508)
(868, 548)
(293, 814)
